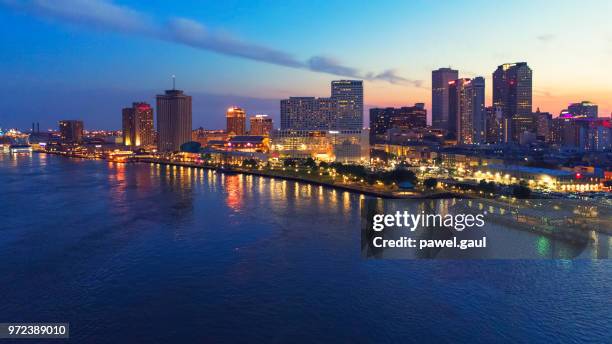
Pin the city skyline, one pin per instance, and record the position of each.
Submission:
(49, 36)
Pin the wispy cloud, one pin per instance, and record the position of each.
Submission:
(545, 38)
(106, 15)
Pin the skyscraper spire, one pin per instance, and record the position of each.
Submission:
(173, 82)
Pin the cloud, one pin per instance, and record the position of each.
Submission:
(106, 15)
(390, 76)
(545, 38)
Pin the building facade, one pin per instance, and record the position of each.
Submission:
(138, 125)
(235, 121)
(261, 125)
(331, 145)
(404, 118)
(348, 98)
(173, 120)
(71, 131)
(512, 91)
(467, 110)
(342, 111)
(439, 96)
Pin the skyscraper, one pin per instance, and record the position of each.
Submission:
(236, 121)
(543, 125)
(260, 125)
(173, 120)
(348, 98)
(496, 126)
(439, 96)
(466, 108)
(138, 125)
(342, 111)
(512, 91)
(71, 131)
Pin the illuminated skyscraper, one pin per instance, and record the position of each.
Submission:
(467, 110)
(71, 131)
(236, 121)
(138, 125)
(260, 125)
(307, 113)
(348, 96)
(512, 91)
(439, 96)
(173, 120)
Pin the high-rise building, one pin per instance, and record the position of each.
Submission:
(342, 111)
(407, 117)
(512, 91)
(260, 125)
(236, 121)
(307, 113)
(584, 109)
(173, 120)
(439, 96)
(71, 131)
(348, 98)
(467, 111)
(496, 126)
(543, 125)
(138, 125)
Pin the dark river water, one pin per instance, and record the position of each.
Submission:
(144, 254)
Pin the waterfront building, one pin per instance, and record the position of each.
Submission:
(331, 145)
(203, 136)
(71, 131)
(584, 109)
(138, 125)
(439, 96)
(512, 91)
(348, 98)
(467, 111)
(404, 118)
(307, 113)
(342, 111)
(173, 120)
(249, 143)
(260, 125)
(541, 178)
(236, 121)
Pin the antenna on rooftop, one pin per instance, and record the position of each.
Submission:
(173, 82)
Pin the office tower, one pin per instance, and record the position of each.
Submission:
(584, 109)
(307, 113)
(236, 121)
(439, 96)
(261, 125)
(496, 126)
(71, 131)
(466, 110)
(543, 125)
(173, 120)
(475, 124)
(348, 98)
(138, 125)
(512, 91)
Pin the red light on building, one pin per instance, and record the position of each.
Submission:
(578, 175)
